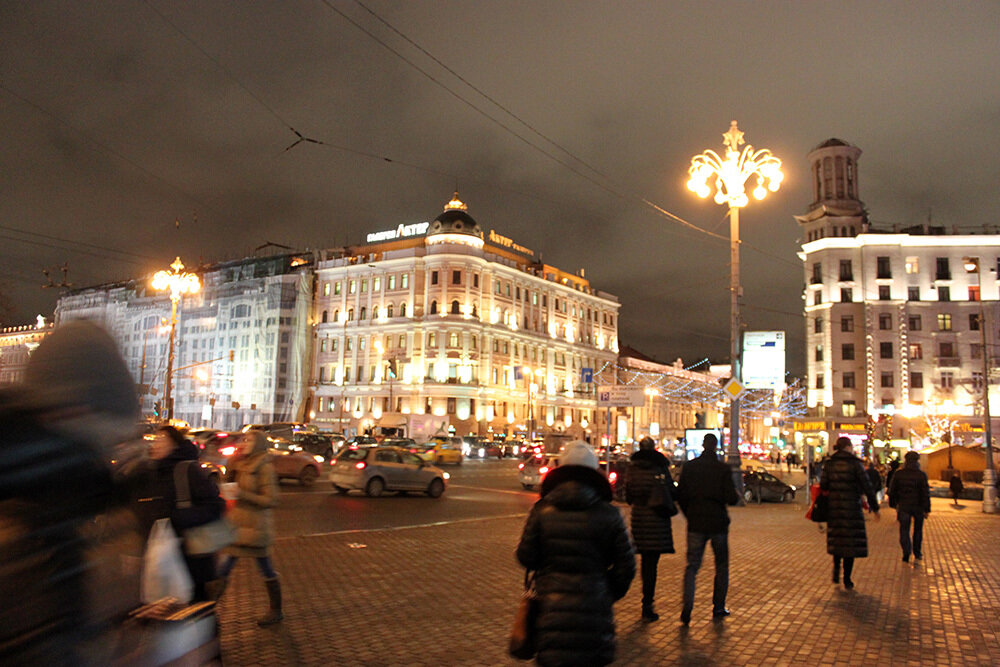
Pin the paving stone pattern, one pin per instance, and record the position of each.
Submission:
(446, 594)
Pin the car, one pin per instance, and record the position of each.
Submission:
(314, 443)
(282, 429)
(216, 449)
(532, 470)
(361, 441)
(406, 443)
(440, 453)
(375, 470)
(760, 485)
(292, 462)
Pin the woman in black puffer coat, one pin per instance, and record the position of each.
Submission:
(845, 481)
(576, 542)
(651, 530)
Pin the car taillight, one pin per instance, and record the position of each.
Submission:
(228, 451)
(360, 465)
(221, 435)
(543, 470)
(333, 462)
(612, 476)
(520, 466)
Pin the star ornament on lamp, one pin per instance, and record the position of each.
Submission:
(731, 173)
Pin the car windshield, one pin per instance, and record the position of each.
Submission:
(352, 454)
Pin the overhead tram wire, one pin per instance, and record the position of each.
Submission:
(76, 243)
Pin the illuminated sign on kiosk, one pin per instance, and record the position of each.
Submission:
(400, 232)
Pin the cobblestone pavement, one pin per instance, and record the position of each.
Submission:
(445, 594)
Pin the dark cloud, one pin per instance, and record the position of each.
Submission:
(119, 118)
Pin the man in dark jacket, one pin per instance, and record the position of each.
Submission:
(649, 490)
(56, 431)
(910, 494)
(576, 542)
(705, 489)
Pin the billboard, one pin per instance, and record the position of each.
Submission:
(764, 359)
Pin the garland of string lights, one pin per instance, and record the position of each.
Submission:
(687, 389)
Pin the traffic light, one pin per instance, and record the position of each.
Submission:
(232, 355)
(156, 409)
(392, 369)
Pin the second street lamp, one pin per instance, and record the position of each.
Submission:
(179, 284)
(729, 175)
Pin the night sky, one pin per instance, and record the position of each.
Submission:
(132, 132)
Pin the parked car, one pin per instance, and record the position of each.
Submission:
(760, 485)
(292, 462)
(440, 453)
(314, 443)
(532, 471)
(375, 470)
(405, 443)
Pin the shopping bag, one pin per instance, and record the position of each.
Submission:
(166, 633)
(164, 573)
(523, 635)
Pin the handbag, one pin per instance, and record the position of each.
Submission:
(206, 538)
(523, 636)
(164, 573)
(661, 500)
(819, 512)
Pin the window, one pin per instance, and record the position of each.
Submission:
(402, 341)
(886, 379)
(846, 295)
(453, 339)
(943, 271)
(819, 381)
(496, 287)
(350, 314)
(456, 277)
(976, 351)
(883, 270)
(819, 353)
(451, 405)
(475, 280)
(363, 314)
(848, 409)
(947, 380)
(388, 310)
(944, 293)
(946, 349)
(973, 321)
(912, 265)
(455, 308)
(846, 272)
(364, 285)
(817, 276)
(913, 322)
(847, 323)
(884, 321)
(818, 325)
(973, 292)
(434, 277)
(402, 309)
(336, 287)
(392, 282)
(847, 351)
(352, 287)
(432, 340)
(884, 293)
(916, 351)
(944, 322)
(434, 307)
(404, 281)
(325, 317)
(913, 293)
(885, 350)
(848, 380)
(917, 380)
(977, 380)
(817, 297)
(376, 284)
(326, 289)
(349, 344)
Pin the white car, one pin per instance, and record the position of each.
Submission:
(532, 471)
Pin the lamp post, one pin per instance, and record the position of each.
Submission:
(972, 265)
(729, 176)
(179, 284)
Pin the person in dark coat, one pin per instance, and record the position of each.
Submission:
(893, 467)
(874, 477)
(157, 499)
(956, 487)
(576, 543)
(705, 489)
(651, 531)
(910, 494)
(57, 430)
(845, 481)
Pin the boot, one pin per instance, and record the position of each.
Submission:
(215, 588)
(274, 596)
(836, 573)
(648, 614)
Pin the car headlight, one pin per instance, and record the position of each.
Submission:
(318, 458)
(447, 476)
(791, 487)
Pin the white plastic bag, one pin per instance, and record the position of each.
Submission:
(164, 573)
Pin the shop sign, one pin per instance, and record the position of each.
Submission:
(505, 242)
(400, 232)
(846, 426)
(810, 426)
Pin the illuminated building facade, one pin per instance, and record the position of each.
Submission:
(440, 327)
(894, 319)
(243, 347)
(16, 344)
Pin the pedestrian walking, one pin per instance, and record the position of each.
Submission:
(956, 487)
(255, 494)
(893, 467)
(875, 479)
(576, 543)
(57, 430)
(705, 489)
(910, 494)
(649, 491)
(845, 481)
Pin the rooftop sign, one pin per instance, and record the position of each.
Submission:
(403, 231)
(508, 243)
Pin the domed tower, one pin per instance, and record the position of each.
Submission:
(455, 225)
(836, 209)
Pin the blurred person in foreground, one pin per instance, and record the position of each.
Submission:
(705, 488)
(576, 543)
(845, 481)
(910, 494)
(57, 431)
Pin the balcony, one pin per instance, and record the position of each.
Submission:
(949, 362)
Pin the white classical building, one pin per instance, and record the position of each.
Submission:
(439, 327)
(242, 343)
(894, 316)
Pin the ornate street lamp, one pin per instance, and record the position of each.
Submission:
(972, 265)
(178, 284)
(729, 175)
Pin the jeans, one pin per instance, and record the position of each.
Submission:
(695, 551)
(904, 532)
(649, 560)
(263, 564)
